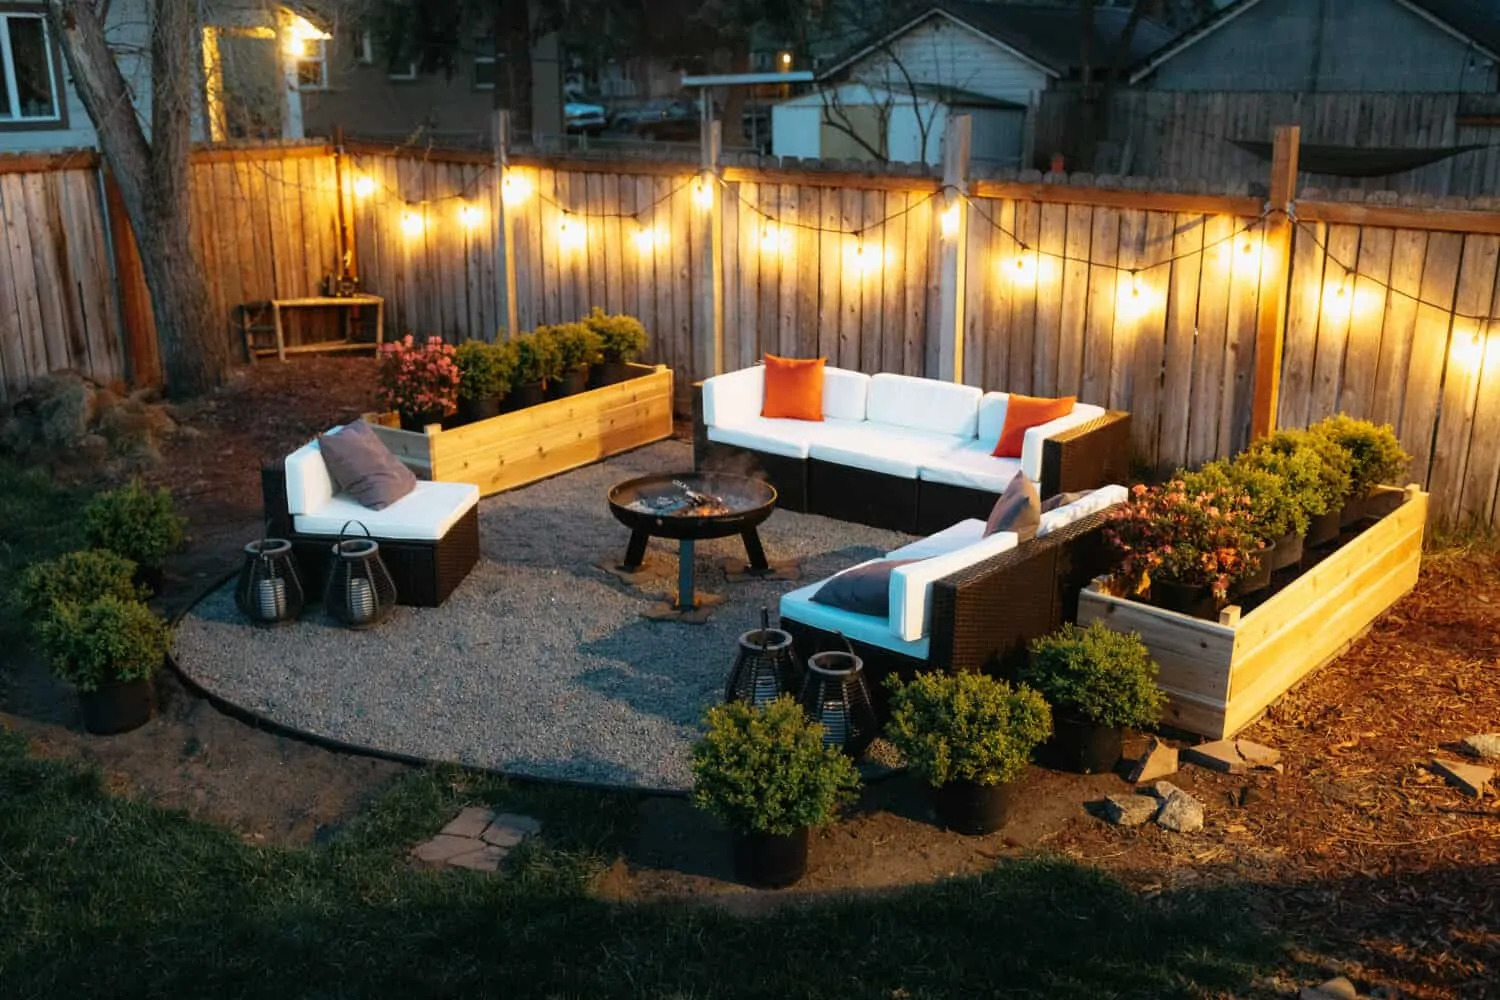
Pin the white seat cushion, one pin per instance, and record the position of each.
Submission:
(778, 435)
(925, 404)
(911, 585)
(423, 515)
(972, 466)
(1097, 500)
(308, 484)
(799, 606)
(735, 397)
(895, 451)
(950, 539)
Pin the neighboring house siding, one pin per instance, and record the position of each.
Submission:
(127, 32)
(1327, 45)
(943, 53)
(364, 100)
(795, 130)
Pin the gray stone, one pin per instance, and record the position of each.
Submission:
(1181, 813)
(1158, 761)
(1337, 988)
(509, 829)
(444, 847)
(471, 822)
(1233, 756)
(1485, 746)
(486, 859)
(1163, 790)
(1469, 778)
(1130, 810)
(526, 824)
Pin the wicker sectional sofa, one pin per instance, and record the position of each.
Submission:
(894, 451)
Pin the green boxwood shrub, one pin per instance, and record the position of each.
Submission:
(1101, 675)
(1375, 453)
(966, 727)
(79, 577)
(1275, 506)
(135, 522)
(484, 370)
(621, 337)
(1322, 469)
(536, 358)
(575, 344)
(107, 639)
(767, 771)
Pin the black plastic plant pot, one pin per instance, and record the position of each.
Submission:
(1260, 579)
(524, 395)
(769, 860)
(1287, 551)
(118, 707)
(608, 373)
(1084, 747)
(973, 809)
(1196, 599)
(473, 410)
(1323, 529)
(572, 383)
(1355, 509)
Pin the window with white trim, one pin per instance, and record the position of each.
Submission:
(404, 73)
(30, 84)
(484, 60)
(312, 65)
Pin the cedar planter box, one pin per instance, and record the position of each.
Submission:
(522, 447)
(1220, 676)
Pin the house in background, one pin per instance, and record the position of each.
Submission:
(889, 99)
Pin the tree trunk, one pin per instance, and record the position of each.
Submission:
(734, 97)
(153, 175)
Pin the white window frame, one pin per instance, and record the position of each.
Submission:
(485, 61)
(407, 77)
(364, 48)
(315, 50)
(15, 118)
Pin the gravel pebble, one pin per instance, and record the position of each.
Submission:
(540, 663)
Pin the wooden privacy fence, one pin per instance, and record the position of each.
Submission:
(1146, 300)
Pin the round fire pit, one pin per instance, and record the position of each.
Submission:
(689, 506)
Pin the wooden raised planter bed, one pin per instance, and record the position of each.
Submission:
(526, 445)
(1220, 676)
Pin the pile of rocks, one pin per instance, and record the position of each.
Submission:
(1472, 779)
(67, 417)
(1171, 807)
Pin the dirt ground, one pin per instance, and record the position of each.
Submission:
(1357, 844)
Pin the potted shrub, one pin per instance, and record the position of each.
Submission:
(621, 340)
(766, 773)
(1181, 548)
(419, 381)
(1329, 467)
(1375, 458)
(969, 736)
(1098, 682)
(109, 649)
(1301, 475)
(536, 361)
(1277, 516)
(137, 523)
(484, 372)
(577, 348)
(81, 576)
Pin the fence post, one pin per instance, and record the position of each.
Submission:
(954, 245)
(1270, 327)
(505, 256)
(711, 289)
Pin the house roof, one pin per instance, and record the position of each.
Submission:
(1469, 21)
(1049, 36)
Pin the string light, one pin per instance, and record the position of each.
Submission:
(515, 189)
(470, 216)
(412, 223)
(774, 239)
(703, 192)
(1135, 283)
(571, 233)
(948, 221)
(648, 239)
(364, 186)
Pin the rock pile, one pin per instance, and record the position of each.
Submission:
(66, 417)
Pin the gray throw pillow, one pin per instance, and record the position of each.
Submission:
(865, 590)
(362, 466)
(1019, 509)
(1057, 500)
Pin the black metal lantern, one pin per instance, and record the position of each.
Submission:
(765, 668)
(269, 590)
(834, 693)
(360, 590)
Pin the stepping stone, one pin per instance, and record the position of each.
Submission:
(509, 829)
(1337, 988)
(1233, 756)
(470, 822)
(738, 571)
(1485, 747)
(1469, 778)
(1159, 761)
(486, 859)
(1130, 810)
(1181, 813)
(440, 850)
(663, 611)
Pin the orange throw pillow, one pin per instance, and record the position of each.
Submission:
(1025, 412)
(794, 388)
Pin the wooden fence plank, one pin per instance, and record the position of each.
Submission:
(1429, 352)
(1181, 340)
(1210, 367)
(1098, 344)
(1367, 314)
(1073, 318)
(1304, 301)
(1466, 350)
(1335, 309)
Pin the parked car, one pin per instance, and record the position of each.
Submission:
(580, 117)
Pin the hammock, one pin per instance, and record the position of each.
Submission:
(1358, 161)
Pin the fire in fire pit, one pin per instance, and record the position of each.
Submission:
(685, 502)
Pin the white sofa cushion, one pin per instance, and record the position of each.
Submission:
(896, 451)
(846, 394)
(1031, 444)
(911, 585)
(1097, 500)
(925, 404)
(308, 485)
(799, 606)
(973, 466)
(423, 515)
(779, 435)
(950, 539)
(734, 398)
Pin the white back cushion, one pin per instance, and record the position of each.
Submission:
(911, 585)
(1031, 444)
(845, 394)
(308, 485)
(992, 418)
(734, 397)
(1097, 500)
(925, 404)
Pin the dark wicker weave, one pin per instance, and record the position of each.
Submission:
(1092, 454)
(861, 496)
(425, 572)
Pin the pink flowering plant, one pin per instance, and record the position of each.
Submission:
(419, 379)
(1184, 535)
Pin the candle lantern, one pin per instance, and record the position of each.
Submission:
(764, 668)
(269, 590)
(360, 591)
(834, 693)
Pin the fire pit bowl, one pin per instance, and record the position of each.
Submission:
(688, 506)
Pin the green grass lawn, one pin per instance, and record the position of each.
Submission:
(39, 519)
(101, 896)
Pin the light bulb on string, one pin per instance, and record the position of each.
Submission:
(412, 222)
(703, 191)
(364, 186)
(514, 188)
(470, 216)
(949, 220)
(1135, 283)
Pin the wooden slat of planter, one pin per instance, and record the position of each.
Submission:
(1194, 654)
(495, 446)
